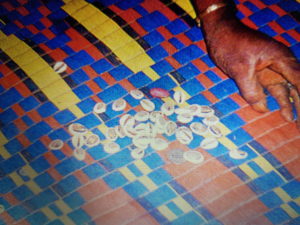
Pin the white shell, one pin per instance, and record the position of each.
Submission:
(141, 141)
(160, 124)
(154, 115)
(142, 128)
(111, 147)
(159, 144)
(92, 140)
(127, 121)
(238, 154)
(179, 97)
(137, 153)
(129, 131)
(212, 120)
(142, 116)
(111, 134)
(215, 131)
(119, 105)
(137, 94)
(78, 141)
(2, 209)
(120, 131)
(198, 128)
(170, 128)
(56, 144)
(181, 110)
(185, 117)
(193, 156)
(209, 143)
(184, 135)
(205, 111)
(194, 109)
(168, 108)
(100, 107)
(60, 67)
(23, 172)
(79, 154)
(147, 104)
(77, 129)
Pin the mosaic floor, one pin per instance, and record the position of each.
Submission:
(105, 49)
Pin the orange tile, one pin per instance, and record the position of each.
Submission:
(46, 22)
(94, 52)
(145, 219)
(6, 71)
(21, 125)
(126, 85)
(164, 32)
(168, 13)
(52, 122)
(294, 167)
(90, 72)
(34, 116)
(24, 140)
(81, 176)
(108, 78)
(45, 140)
(93, 189)
(239, 100)
(220, 73)
(138, 28)
(51, 158)
(121, 215)
(93, 86)
(56, 175)
(169, 47)
(184, 39)
(23, 90)
(7, 218)
(207, 83)
(288, 151)
(260, 220)
(11, 199)
(44, 10)
(48, 34)
(173, 62)
(202, 66)
(248, 114)
(10, 81)
(244, 213)
(201, 44)
(67, 150)
(106, 203)
(210, 96)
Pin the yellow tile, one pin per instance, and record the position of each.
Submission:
(282, 194)
(264, 164)
(127, 173)
(63, 206)
(139, 62)
(66, 100)
(165, 211)
(151, 73)
(33, 187)
(187, 7)
(223, 129)
(56, 88)
(25, 58)
(83, 13)
(66, 220)
(17, 50)
(182, 204)
(4, 153)
(289, 210)
(49, 213)
(227, 143)
(102, 127)
(7, 42)
(107, 28)
(249, 171)
(94, 20)
(3, 139)
(297, 201)
(38, 66)
(16, 178)
(148, 183)
(142, 166)
(31, 173)
(129, 51)
(76, 111)
(73, 6)
(113, 40)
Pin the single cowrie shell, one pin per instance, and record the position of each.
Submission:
(185, 117)
(136, 94)
(129, 131)
(23, 172)
(179, 111)
(120, 131)
(194, 109)
(142, 128)
(179, 97)
(56, 144)
(137, 153)
(127, 121)
(2, 209)
(160, 124)
(78, 141)
(142, 116)
(159, 144)
(79, 154)
(184, 135)
(209, 143)
(154, 115)
(111, 134)
(100, 107)
(212, 120)
(205, 111)
(141, 141)
(168, 108)
(193, 156)
(111, 147)
(159, 92)
(215, 131)
(92, 140)
(60, 67)
(238, 154)
(119, 105)
(147, 104)
(77, 129)
(198, 128)
(170, 128)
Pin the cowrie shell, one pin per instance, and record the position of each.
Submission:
(147, 104)
(142, 116)
(168, 108)
(170, 128)
(111, 147)
(198, 128)
(205, 111)
(137, 94)
(238, 154)
(193, 156)
(120, 131)
(181, 110)
(127, 121)
(159, 92)
(176, 156)
(119, 105)
(160, 124)
(209, 143)
(77, 129)
(159, 144)
(56, 144)
(185, 117)
(179, 97)
(142, 128)
(212, 120)
(111, 134)
(141, 141)
(92, 140)
(137, 153)
(129, 131)
(184, 135)
(100, 107)
(154, 115)
(194, 109)
(79, 154)
(2, 209)
(78, 141)
(215, 131)
(60, 67)
(23, 172)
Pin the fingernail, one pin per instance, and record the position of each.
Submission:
(260, 107)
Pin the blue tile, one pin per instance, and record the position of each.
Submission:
(251, 6)
(271, 200)
(162, 67)
(22, 193)
(9, 98)
(29, 103)
(287, 22)
(177, 26)
(36, 149)
(141, 10)
(94, 171)
(59, 41)
(18, 212)
(266, 182)
(13, 146)
(37, 131)
(69, 165)
(89, 121)
(295, 221)
(268, 30)
(82, 91)
(60, 133)
(226, 106)
(199, 99)
(160, 176)
(164, 82)
(289, 38)
(277, 216)
(188, 71)
(292, 188)
(295, 206)
(160, 196)
(270, 2)
(135, 189)
(67, 185)
(97, 152)
(176, 43)
(207, 60)
(10, 131)
(194, 34)
(117, 90)
(152, 21)
(239, 136)
(55, 222)
(139, 79)
(177, 187)
(232, 121)
(289, 5)
(192, 87)
(10, 28)
(114, 162)
(121, 72)
(188, 54)
(102, 66)
(191, 200)
(258, 170)
(37, 218)
(64, 116)
(42, 199)
(157, 53)
(79, 216)
(153, 161)
(79, 76)
(39, 38)
(7, 116)
(174, 208)
(158, 216)
(40, 164)
(127, 4)
(153, 38)
(74, 200)
(44, 180)
(11, 164)
(78, 60)
(190, 218)
(47, 109)
(135, 170)
(212, 76)
(55, 209)
(263, 16)
(272, 103)
(115, 180)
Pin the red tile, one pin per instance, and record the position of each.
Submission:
(7, 218)
(46, 22)
(90, 72)
(247, 12)
(165, 32)
(23, 90)
(202, 66)
(168, 13)
(279, 11)
(48, 34)
(67, 150)
(249, 23)
(138, 28)
(201, 44)
(108, 78)
(11, 199)
(173, 62)
(282, 40)
(44, 10)
(81, 176)
(209, 96)
(260, 220)
(94, 52)
(32, 29)
(145, 220)
(54, 174)
(276, 27)
(51, 158)
(207, 83)
(6, 71)
(93, 86)
(129, 15)
(116, 9)
(239, 100)
(152, 6)
(126, 85)
(58, 54)
(106, 203)
(294, 167)
(169, 47)
(288, 151)
(259, 4)
(23, 11)
(93, 189)
(10, 81)
(52, 122)
(121, 215)
(294, 34)
(24, 140)
(7, 6)
(20, 124)
(34, 116)
(184, 39)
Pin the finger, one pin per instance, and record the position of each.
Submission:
(295, 95)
